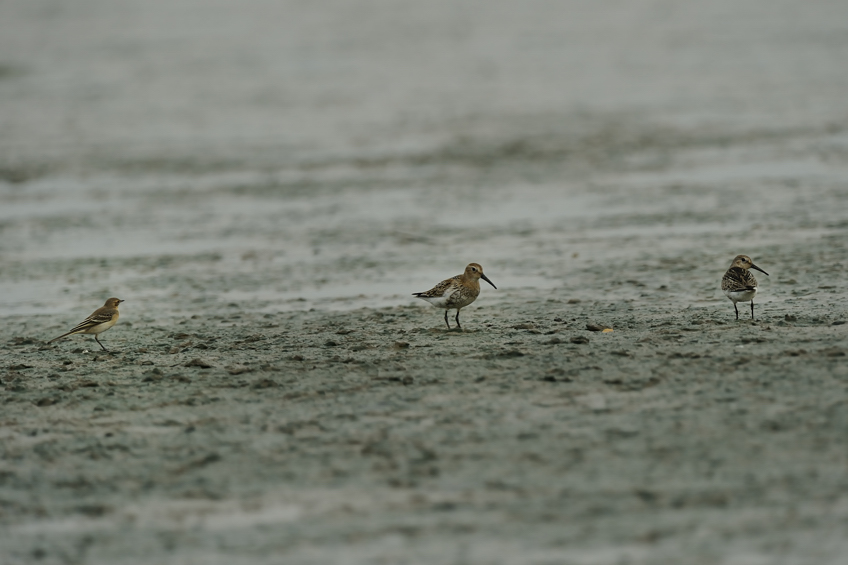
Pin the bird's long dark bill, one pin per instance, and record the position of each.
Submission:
(760, 270)
(485, 278)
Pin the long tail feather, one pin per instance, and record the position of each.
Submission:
(60, 337)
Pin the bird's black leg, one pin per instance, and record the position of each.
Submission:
(752, 309)
(737, 310)
(457, 319)
(98, 342)
(446, 319)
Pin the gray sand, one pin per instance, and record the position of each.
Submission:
(267, 184)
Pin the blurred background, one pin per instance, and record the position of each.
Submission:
(214, 163)
(340, 154)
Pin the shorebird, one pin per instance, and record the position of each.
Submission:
(456, 292)
(739, 284)
(100, 320)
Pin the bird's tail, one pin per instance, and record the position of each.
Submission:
(60, 337)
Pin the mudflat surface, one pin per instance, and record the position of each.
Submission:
(267, 184)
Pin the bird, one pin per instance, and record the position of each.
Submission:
(100, 320)
(739, 284)
(456, 292)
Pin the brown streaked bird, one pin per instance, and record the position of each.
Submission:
(100, 320)
(739, 284)
(456, 292)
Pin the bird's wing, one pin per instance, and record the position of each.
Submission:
(99, 316)
(441, 289)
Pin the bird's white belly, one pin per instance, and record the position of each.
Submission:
(437, 301)
(740, 295)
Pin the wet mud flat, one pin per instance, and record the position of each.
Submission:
(376, 435)
(273, 391)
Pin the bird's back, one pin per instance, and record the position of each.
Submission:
(737, 278)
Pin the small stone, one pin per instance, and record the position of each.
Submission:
(579, 339)
(264, 383)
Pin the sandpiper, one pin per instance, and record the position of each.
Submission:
(456, 292)
(739, 284)
(100, 320)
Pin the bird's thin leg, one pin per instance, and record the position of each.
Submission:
(457, 319)
(752, 309)
(98, 341)
(737, 310)
(446, 319)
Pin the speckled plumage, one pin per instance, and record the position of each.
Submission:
(739, 284)
(456, 292)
